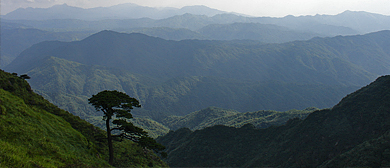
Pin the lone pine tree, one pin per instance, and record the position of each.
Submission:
(117, 106)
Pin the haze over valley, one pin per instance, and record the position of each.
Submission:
(316, 85)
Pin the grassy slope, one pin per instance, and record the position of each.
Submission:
(34, 132)
(35, 137)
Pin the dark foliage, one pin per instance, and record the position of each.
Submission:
(356, 127)
(117, 106)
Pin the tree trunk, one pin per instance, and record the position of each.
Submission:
(109, 138)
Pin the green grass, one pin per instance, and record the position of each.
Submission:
(36, 133)
(34, 137)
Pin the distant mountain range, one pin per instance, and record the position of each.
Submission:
(122, 11)
(190, 17)
(354, 133)
(64, 23)
(15, 39)
(346, 23)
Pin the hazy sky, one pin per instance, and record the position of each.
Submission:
(275, 8)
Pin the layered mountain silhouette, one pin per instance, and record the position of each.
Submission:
(191, 17)
(122, 11)
(63, 22)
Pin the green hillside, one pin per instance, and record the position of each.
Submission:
(35, 133)
(352, 133)
(69, 84)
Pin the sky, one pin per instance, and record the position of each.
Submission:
(273, 8)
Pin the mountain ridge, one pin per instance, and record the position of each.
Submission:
(209, 58)
(345, 23)
(121, 11)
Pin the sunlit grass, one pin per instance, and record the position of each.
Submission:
(34, 137)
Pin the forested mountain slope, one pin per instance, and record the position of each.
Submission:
(179, 77)
(321, 60)
(36, 133)
(352, 133)
(69, 85)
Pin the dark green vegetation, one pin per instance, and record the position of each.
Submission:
(36, 133)
(216, 116)
(354, 133)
